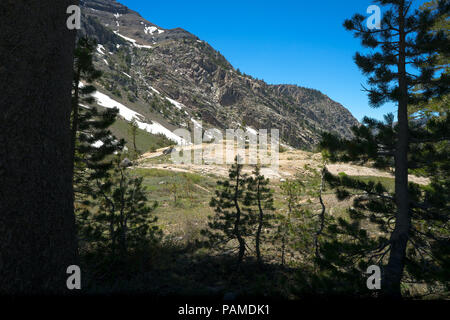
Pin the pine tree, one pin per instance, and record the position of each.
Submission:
(374, 204)
(440, 64)
(133, 132)
(298, 226)
(259, 195)
(124, 219)
(230, 222)
(83, 69)
(320, 229)
(93, 143)
(428, 255)
(405, 62)
(292, 190)
(111, 205)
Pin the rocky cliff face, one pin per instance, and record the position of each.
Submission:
(172, 77)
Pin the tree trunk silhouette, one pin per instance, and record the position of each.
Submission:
(37, 225)
(237, 223)
(321, 216)
(400, 235)
(260, 225)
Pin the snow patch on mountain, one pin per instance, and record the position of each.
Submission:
(196, 123)
(150, 30)
(107, 102)
(128, 114)
(176, 103)
(156, 128)
(154, 90)
(101, 49)
(142, 46)
(132, 41)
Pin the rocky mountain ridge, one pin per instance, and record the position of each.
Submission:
(172, 77)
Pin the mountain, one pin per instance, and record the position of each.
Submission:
(172, 78)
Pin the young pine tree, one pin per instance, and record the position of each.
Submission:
(230, 222)
(124, 219)
(291, 190)
(300, 227)
(259, 198)
(406, 52)
(133, 131)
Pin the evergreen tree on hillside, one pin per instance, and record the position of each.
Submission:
(291, 190)
(133, 132)
(259, 198)
(83, 69)
(111, 205)
(405, 62)
(230, 222)
(299, 226)
(92, 141)
(124, 219)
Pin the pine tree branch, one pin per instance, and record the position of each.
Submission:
(407, 9)
(375, 31)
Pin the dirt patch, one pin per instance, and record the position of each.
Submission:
(353, 170)
(290, 163)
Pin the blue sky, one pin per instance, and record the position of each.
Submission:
(284, 41)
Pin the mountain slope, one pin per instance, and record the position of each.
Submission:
(172, 77)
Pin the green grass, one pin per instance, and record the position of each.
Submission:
(192, 208)
(189, 213)
(145, 141)
(194, 191)
(162, 159)
(183, 219)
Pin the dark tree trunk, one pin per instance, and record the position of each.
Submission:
(399, 238)
(237, 223)
(134, 144)
(37, 225)
(321, 217)
(123, 222)
(260, 225)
